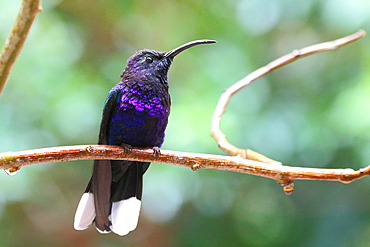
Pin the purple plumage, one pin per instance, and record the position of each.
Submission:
(135, 114)
(140, 116)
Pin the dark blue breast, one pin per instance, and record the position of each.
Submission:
(139, 119)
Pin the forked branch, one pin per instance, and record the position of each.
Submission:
(284, 60)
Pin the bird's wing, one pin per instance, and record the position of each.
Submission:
(102, 173)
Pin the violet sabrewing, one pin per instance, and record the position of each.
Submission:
(135, 115)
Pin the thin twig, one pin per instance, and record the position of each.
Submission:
(284, 60)
(13, 161)
(17, 37)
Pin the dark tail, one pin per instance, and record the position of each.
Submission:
(113, 197)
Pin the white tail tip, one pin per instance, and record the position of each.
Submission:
(125, 215)
(85, 213)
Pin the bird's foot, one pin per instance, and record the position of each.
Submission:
(126, 147)
(156, 151)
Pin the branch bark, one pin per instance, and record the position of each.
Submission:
(17, 37)
(284, 60)
(13, 161)
(244, 161)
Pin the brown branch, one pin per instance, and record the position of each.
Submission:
(13, 161)
(240, 162)
(17, 37)
(284, 60)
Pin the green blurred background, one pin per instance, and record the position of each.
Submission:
(314, 113)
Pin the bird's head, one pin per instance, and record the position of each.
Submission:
(154, 64)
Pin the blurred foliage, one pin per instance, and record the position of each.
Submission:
(315, 112)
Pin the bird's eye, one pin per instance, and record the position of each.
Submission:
(149, 59)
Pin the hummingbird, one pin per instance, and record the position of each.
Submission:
(135, 114)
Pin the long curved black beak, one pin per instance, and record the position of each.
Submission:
(183, 47)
